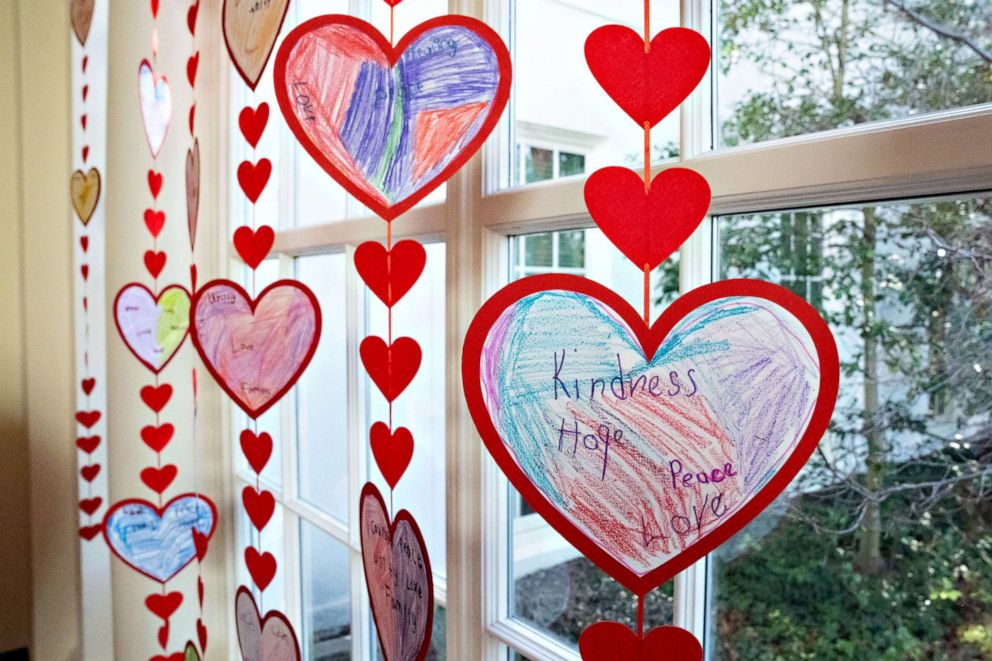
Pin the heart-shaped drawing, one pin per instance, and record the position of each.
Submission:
(191, 653)
(268, 639)
(85, 190)
(392, 124)
(606, 641)
(398, 577)
(158, 542)
(153, 327)
(647, 226)
(648, 447)
(155, 99)
(250, 32)
(647, 85)
(193, 190)
(255, 349)
(81, 17)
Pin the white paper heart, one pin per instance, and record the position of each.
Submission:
(155, 99)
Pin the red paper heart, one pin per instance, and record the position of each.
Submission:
(390, 273)
(164, 605)
(253, 246)
(647, 227)
(201, 635)
(606, 641)
(90, 532)
(253, 121)
(87, 418)
(157, 438)
(154, 221)
(393, 3)
(199, 587)
(159, 479)
(86, 91)
(647, 86)
(84, 243)
(191, 66)
(257, 449)
(261, 566)
(90, 472)
(82, 121)
(84, 271)
(156, 397)
(85, 152)
(392, 451)
(259, 505)
(88, 385)
(191, 15)
(391, 368)
(154, 8)
(88, 443)
(253, 177)
(154, 182)
(154, 262)
(200, 542)
(176, 656)
(85, 63)
(90, 505)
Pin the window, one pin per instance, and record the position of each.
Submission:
(884, 214)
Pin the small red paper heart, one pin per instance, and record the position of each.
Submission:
(200, 542)
(163, 635)
(86, 91)
(90, 505)
(176, 656)
(253, 177)
(84, 243)
(390, 273)
(259, 505)
(154, 262)
(192, 118)
(191, 18)
(392, 3)
(82, 121)
(392, 368)
(647, 85)
(392, 451)
(154, 221)
(154, 182)
(257, 449)
(154, 8)
(87, 418)
(88, 443)
(201, 635)
(191, 66)
(156, 397)
(84, 271)
(164, 605)
(159, 479)
(90, 472)
(199, 589)
(90, 532)
(88, 385)
(86, 62)
(647, 227)
(157, 437)
(86, 153)
(606, 641)
(86, 305)
(192, 278)
(261, 566)
(253, 247)
(253, 121)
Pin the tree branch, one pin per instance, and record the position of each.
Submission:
(942, 30)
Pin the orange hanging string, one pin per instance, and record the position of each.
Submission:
(647, 26)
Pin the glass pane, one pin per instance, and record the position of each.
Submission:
(421, 407)
(326, 593)
(879, 549)
(322, 395)
(791, 68)
(539, 165)
(538, 250)
(559, 106)
(572, 249)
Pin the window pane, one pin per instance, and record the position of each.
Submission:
(790, 68)
(326, 593)
(557, 102)
(572, 249)
(539, 165)
(879, 549)
(538, 250)
(322, 395)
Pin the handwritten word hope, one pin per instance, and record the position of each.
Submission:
(593, 442)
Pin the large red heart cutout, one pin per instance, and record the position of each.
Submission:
(647, 226)
(606, 641)
(647, 85)
(647, 447)
(391, 124)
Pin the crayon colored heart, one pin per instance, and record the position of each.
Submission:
(390, 273)
(156, 541)
(398, 577)
(647, 85)
(391, 124)
(647, 226)
(392, 451)
(250, 31)
(255, 349)
(155, 99)
(85, 190)
(153, 327)
(647, 447)
(271, 638)
(606, 641)
(81, 17)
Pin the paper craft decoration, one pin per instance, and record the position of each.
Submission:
(81, 17)
(191, 653)
(390, 273)
(85, 191)
(153, 327)
(155, 99)
(250, 32)
(158, 542)
(399, 578)
(648, 447)
(647, 85)
(391, 124)
(607, 641)
(255, 349)
(193, 190)
(647, 226)
(271, 638)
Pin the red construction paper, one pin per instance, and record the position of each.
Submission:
(253, 246)
(261, 567)
(89, 472)
(88, 444)
(154, 262)
(87, 418)
(271, 638)
(252, 122)
(154, 221)
(257, 449)
(156, 397)
(158, 479)
(157, 437)
(253, 177)
(392, 451)
(154, 182)
(607, 641)
(164, 605)
(391, 367)
(87, 385)
(390, 273)
(259, 505)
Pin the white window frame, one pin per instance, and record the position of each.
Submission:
(922, 155)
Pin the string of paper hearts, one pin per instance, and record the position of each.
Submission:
(157, 538)
(432, 108)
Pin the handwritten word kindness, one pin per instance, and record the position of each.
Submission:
(622, 387)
